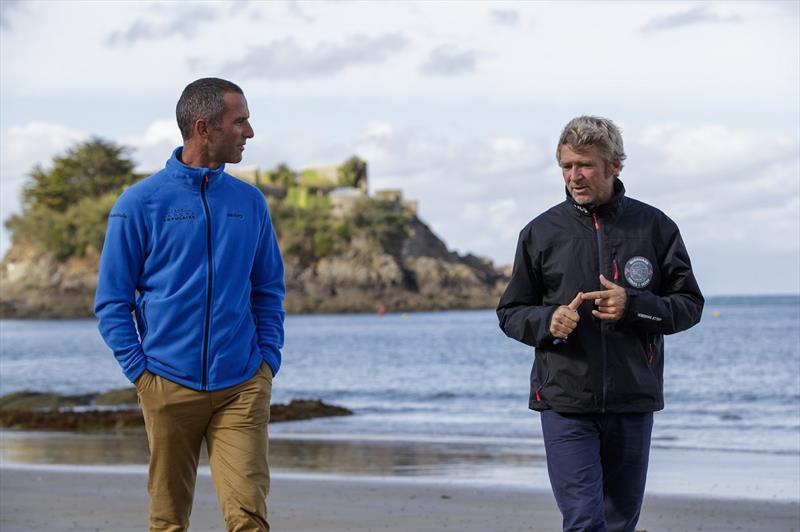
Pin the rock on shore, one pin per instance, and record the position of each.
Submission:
(117, 409)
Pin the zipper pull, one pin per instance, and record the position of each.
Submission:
(616, 266)
(596, 221)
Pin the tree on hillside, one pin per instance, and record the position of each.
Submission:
(64, 209)
(353, 172)
(89, 169)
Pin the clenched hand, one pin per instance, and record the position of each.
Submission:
(566, 318)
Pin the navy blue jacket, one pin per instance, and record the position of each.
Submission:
(192, 253)
(603, 366)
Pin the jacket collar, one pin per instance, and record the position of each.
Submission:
(612, 208)
(192, 176)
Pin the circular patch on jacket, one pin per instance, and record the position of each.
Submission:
(638, 272)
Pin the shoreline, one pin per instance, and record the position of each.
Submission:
(493, 464)
(118, 502)
(711, 300)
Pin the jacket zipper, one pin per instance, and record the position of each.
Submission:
(207, 325)
(600, 270)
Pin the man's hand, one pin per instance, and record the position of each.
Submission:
(566, 318)
(610, 303)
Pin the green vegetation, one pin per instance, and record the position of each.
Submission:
(353, 172)
(65, 208)
(310, 233)
(384, 221)
(282, 176)
(307, 234)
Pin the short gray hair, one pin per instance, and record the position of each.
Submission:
(593, 131)
(202, 100)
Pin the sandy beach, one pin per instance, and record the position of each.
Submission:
(52, 498)
(54, 481)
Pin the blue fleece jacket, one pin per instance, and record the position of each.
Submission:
(192, 252)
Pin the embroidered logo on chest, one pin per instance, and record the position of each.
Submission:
(638, 272)
(177, 215)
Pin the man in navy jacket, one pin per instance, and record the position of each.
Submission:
(191, 253)
(598, 280)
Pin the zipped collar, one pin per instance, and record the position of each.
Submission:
(611, 209)
(193, 177)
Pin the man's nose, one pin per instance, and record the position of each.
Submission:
(249, 133)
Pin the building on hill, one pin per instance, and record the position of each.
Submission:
(319, 178)
(260, 179)
(396, 196)
(339, 185)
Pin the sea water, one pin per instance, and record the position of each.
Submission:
(732, 383)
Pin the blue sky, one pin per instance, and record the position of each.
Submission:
(458, 104)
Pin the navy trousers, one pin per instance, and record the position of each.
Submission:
(598, 466)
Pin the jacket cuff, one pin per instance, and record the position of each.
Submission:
(631, 300)
(135, 371)
(547, 339)
(272, 356)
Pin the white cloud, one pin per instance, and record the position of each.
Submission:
(288, 59)
(708, 150)
(153, 147)
(449, 60)
(505, 17)
(183, 23)
(697, 15)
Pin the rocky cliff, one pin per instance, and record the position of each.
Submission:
(421, 275)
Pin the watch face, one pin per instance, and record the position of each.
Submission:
(638, 272)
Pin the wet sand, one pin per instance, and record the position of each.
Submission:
(69, 481)
(46, 498)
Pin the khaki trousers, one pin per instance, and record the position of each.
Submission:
(233, 423)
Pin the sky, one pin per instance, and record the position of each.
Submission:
(457, 104)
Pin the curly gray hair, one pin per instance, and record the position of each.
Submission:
(587, 131)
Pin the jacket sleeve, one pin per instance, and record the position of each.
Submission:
(266, 297)
(120, 266)
(522, 315)
(678, 305)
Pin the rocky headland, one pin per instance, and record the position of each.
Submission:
(344, 250)
(418, 274)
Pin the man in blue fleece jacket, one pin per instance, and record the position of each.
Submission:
(191, 252)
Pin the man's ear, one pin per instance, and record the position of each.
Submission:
(201, 129)
(614, 166)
